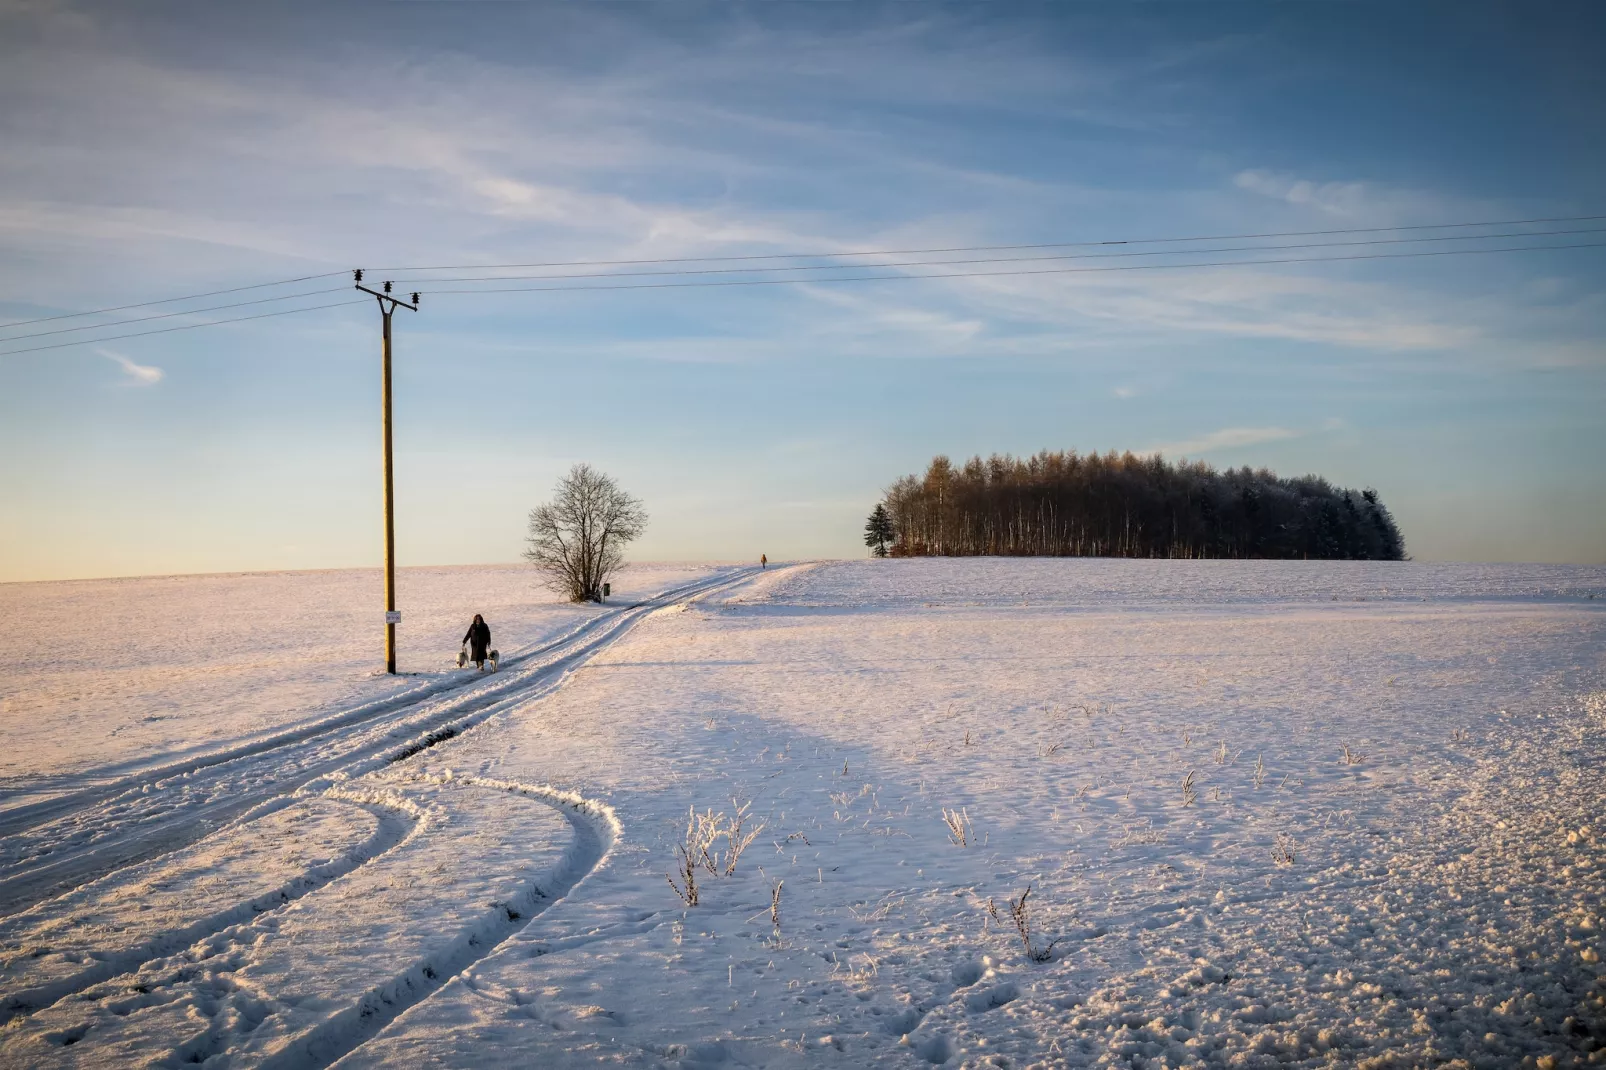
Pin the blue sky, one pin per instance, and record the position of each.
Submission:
(163, 149)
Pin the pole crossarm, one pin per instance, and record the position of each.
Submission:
(392, 298)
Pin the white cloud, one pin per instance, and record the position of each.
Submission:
(1124, 392)
(1335, 198)
(1359, 202)
(138, 374)
(1227, 438)
(1240, 302)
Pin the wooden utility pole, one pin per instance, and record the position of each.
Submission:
(388, 305)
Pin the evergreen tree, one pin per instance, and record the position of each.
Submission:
(878, 530)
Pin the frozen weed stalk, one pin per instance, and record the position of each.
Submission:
(1285, 852)
(1189, 794)
(1221, 754)
(698, 849)
(1351, 757)
(737, 841)
(1260, 772)
(702, 832)
(960, 831)
(694, 853)
(687, 888)
(1020, 914)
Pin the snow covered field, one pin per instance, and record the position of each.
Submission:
(108, 676)
(1270, 813)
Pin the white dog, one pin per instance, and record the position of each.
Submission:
(462, 658)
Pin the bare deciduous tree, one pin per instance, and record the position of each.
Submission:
(578, 538)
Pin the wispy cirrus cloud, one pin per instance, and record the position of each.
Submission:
(1357, 201)
(138, 374)
(1227, 438)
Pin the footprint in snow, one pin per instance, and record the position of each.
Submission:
(903, 1022)
(967, 973)
(935, 1048)
(988, 998)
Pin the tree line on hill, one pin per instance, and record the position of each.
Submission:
(1065, 504)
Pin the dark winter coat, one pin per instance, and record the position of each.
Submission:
(479, 638)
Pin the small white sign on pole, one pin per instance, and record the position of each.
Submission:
(392, 616)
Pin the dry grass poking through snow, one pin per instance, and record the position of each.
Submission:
(699, 850)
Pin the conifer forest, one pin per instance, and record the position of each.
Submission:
(1066, 504)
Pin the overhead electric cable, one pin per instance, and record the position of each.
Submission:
(170, 300)
(820, 267)
(838, 267)
(993, 248)
(823, 255)
(1024, 271)
(841, 278)
(183, 327)
(170, 315)
(1012, 259)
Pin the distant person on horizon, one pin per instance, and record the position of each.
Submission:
(478, 639)
(763, 561)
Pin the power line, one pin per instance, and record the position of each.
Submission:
(808, 256)
(855, 278)
(819, 267)
(170, 315)
(1014, 259)
(999, 248)
(1024, 271)
(169, 300)
(184, 327)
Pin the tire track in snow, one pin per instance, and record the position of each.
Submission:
(19, 819)
(596, 829)
(397, 821)
(594, 824)
(212, 980)
(173, 811)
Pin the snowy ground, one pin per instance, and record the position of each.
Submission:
(1270, 814)
(104, 677)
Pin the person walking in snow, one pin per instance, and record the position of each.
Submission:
(478, 639)
(763, 560)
